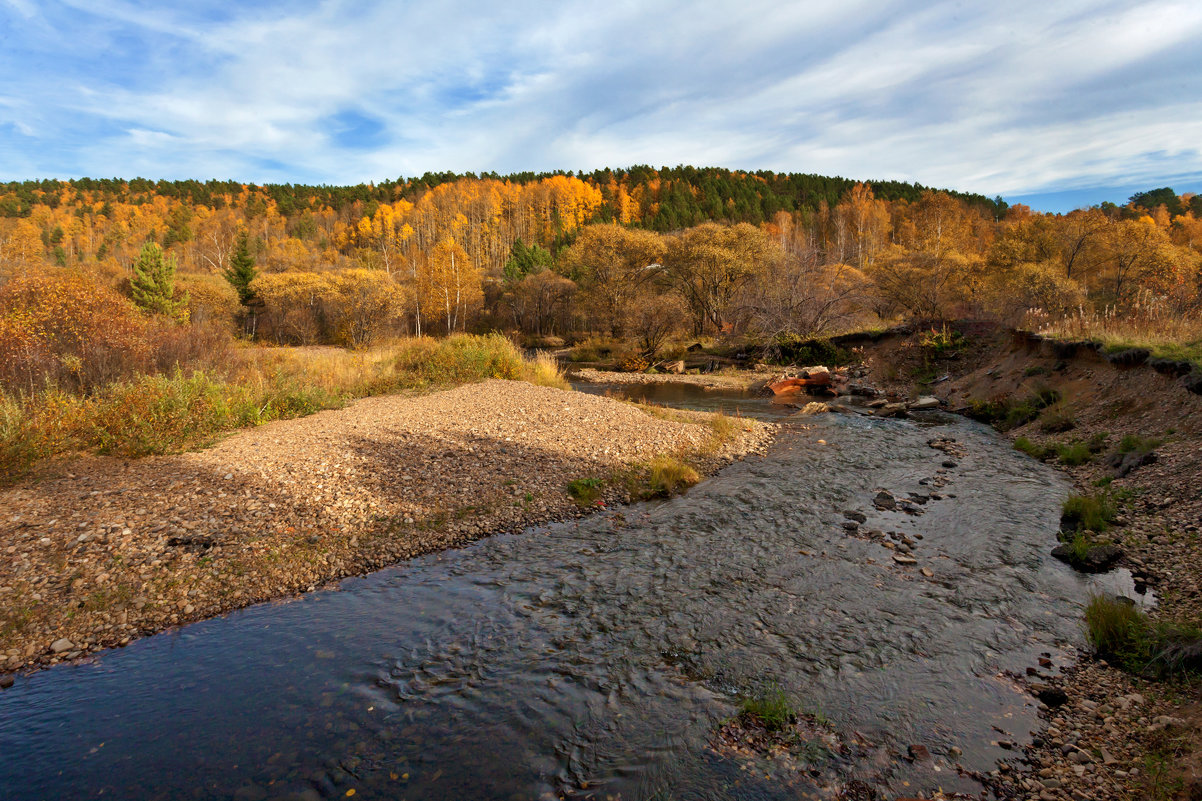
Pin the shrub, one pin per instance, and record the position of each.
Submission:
(1007, 414)
(635, 364)
(1132, 443)
(585, 491)
(796, 349)
(725, 428)
(944, 343)
(1032, 449)
(1074, 454)
(459, 359)
(544, 371)
(1056, 419)
(63, 327)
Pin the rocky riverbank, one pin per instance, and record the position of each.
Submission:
(109, 550)
(1109, 735)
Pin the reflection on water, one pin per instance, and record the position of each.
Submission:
(731, 402)
(593, 659)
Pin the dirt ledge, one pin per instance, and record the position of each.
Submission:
(111, 550)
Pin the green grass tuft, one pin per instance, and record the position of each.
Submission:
(1133, 443)
(1095, 512)
(769, 708)
(585, 491)
(1127, 637)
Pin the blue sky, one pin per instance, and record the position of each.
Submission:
(1052, 104)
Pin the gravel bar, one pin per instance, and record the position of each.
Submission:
(108, 550)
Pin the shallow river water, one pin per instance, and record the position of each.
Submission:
(594, 659)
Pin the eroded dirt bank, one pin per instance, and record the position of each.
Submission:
(109, 550)
(1110, 735)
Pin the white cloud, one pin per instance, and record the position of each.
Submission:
(994, 99)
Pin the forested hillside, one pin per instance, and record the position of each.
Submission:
(639, 253)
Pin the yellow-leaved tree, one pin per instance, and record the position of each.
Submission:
(449, 285)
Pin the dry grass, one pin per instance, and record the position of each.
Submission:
(1150, 322)
(669, 476)
(544, 371)
(183, 410)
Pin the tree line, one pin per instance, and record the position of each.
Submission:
(641, 254)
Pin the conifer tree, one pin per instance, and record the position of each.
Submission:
(241, 271)
(524, 261)
(153, 284)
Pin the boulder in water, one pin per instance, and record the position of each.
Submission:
(925, 403)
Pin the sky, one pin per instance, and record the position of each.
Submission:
(1053, 104)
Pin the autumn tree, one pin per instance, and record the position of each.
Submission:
(291, 310)
(801, 295)
(865, 221)
(610, 263)
(152, 285)
(385, 232)
(362, 305)
(1140, 254)
(22, 247)
(939, 265)
(540, 303)
(709, 263)
(450, 285)
(655, 319)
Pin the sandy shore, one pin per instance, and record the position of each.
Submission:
(110, 550)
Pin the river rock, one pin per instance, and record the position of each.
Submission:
(815, 371)
(892, 410)
(919, 753)
(884, 501)
(816, 407)
(852, 514)
(6, 682)
(1124, 463)
(1097, 559)
(903, 559)
(1173, 367)
(61, 646)
(924, 403)
(1193, 382)
(1131, 357)
(1052, 696)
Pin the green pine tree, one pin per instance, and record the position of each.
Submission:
(524, 261)
(241, 271)
(153, 284)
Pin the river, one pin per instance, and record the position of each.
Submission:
(596, 658)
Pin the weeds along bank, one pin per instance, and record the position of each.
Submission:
(1125, 722)
(82, 371)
